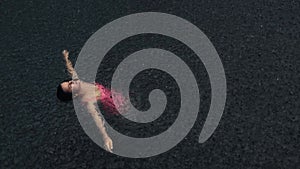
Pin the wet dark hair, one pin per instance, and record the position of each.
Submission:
(61, 94)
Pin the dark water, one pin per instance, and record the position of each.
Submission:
(258, 43)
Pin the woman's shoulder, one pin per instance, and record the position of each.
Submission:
(90, 96)
(88, 100)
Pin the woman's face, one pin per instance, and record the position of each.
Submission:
(71, 85)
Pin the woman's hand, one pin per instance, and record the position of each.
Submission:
(108, 144)
(65, 54)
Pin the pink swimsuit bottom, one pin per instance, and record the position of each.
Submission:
(108, 105)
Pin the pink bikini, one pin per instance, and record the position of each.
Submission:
(121, 103)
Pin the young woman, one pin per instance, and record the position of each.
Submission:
(84, 91)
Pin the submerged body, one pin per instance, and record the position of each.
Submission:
(88, 93)
(112, 102)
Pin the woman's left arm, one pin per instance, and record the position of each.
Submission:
(69, 65)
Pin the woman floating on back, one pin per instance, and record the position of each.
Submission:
(85, 91)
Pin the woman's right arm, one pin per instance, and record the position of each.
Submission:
(108, 144)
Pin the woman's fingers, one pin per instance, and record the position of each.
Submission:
(108, 145)
(108, 148)
(65, 53)
(111, 145)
